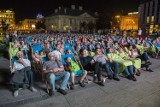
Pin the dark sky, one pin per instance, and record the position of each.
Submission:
(29, 8)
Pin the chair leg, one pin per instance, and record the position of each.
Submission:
(157, 54)
(47, 86)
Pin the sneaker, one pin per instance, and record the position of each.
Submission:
(117, 79)
(133, 78)
(101, 83)
(82, 83)
(51, 92)
(72, 86)
(150, 70)
(15, 93)
(33, 89)
(62, 91)
(148, 63)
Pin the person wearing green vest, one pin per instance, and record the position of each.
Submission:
(143, 55)
(133, 53)
(106, 63)
(75, 70)
(125, 66)
(136, 62)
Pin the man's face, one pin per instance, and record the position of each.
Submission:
(68, 59)
(98, 51)
(20, 55)
(51, 57)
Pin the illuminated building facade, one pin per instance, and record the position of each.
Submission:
(64, 19)
(27, 25)
(8, 16)
(129, 22)
(149, 16)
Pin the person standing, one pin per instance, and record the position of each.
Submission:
(140, 33)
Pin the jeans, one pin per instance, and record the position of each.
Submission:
(128, 70)
(115, 65)
(106, 66)
(64, 76)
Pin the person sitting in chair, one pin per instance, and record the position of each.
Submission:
(54, 70)
(22, 73)
(75, 71)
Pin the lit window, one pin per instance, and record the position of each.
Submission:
(147, 19)
(152, 19)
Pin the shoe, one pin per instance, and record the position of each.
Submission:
(101, 83)
(133, 78)
(110, 77)
(62, 91)
(117, 79)
(15, 93)
(51, 92)
(148, 63)
(129, 77)
(150, 70)
(82, 83)
(138, 73)
(72, 86)
(33, 89)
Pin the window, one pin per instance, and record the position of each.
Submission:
(152, 19)
(148, 19)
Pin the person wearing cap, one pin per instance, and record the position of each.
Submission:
(21, 73)
(54, 70)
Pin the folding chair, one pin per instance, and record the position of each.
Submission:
(64, 57)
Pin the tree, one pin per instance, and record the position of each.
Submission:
(103, 22)
(40, 25)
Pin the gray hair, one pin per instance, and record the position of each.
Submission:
(19, 52)
(51, 53)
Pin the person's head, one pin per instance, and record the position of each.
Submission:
(68, 51)
(68, 60)
(51, 56)
(58, 47)
(130, 47)
(83, 52)
(41, 52)
(19, 54)
(110, 50)
(98, 51)
(120, 50)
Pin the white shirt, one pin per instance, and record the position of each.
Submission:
(140, 32)
(18, 66)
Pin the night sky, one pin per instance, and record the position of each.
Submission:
(29, 8)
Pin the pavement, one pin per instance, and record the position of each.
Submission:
(143, 93)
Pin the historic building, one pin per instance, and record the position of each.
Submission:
(129, 22)
(7, 17)
(149, 16)
(71, 19)
(27, 25)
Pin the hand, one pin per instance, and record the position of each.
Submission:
(55, 69)
(21, 60)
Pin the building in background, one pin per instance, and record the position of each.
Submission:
(27, 25)
(129, 22)
(149, 16)
(66, 19)
(7, 17)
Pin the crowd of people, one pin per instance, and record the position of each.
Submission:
(91, 53)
